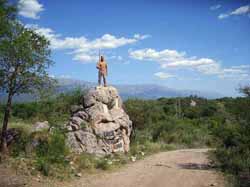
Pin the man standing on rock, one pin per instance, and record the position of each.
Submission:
(103, 71)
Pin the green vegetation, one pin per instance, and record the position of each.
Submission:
(233, 137)
(53, 109)
(174, 121)
(24, 62)
(223, 124)
(46, 152)
(163, 124)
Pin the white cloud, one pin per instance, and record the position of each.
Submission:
(141, 37)
(223, 16)
(239, 11)
(60, 76)
(215, 7)
(240, 72)
(174, 59)
(152, 54)
(241, 67)
(163, 75)
(210, 69)
(119, 58)
(47, 32)
(85, 58)
(52, 76)
(189, 62)
(82, 48)
(29, 8)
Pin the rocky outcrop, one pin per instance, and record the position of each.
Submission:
(100, 125)
(12, 135)
(40, 126)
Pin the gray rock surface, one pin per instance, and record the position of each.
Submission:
(12, 135)
(40, 126)
(100, 125)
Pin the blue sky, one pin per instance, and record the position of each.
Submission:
(182, 44)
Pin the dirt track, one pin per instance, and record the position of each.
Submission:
(181, 168)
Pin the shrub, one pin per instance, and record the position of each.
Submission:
(104, 164)
(185, 132)
(146, 147)
(55, 108)
(86, 161)
(18, 147)
(121, 159)
(43, 166)
(233, 150)
(51, 152)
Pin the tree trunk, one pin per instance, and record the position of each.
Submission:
(3, 147)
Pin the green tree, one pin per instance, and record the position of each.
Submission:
(24, 61)
(7, 15)
(245, 90)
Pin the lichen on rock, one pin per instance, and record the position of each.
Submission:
(100, 125)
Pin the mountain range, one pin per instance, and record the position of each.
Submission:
(142, 91)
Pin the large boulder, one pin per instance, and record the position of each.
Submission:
(40, 126)
(100, 125)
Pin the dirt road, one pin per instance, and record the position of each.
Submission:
(181, 168)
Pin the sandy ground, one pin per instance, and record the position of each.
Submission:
(181, 168)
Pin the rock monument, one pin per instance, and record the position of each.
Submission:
(100, 125)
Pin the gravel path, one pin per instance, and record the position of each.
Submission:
(181, 168)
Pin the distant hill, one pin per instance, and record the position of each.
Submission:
(142, 91)
(154, 91)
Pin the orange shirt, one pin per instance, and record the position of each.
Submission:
(102, 66)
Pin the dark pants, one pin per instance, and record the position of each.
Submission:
(100, 77)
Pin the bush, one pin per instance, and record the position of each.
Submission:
(51, 152)
(18, 147)
(86, 161)
(184, 132)
(148, 147)
(55, 108)
(43, 166)
(104, 164)
(233, 148)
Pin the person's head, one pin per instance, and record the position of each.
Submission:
(102, 58)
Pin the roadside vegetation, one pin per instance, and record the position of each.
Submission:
(223, 124)
(163, 124)
(45, 153)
